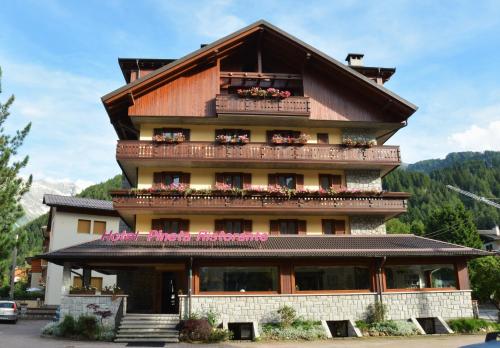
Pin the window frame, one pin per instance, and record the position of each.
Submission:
(89, 226)
(163, 221)
(246, 225)
(324, 223)
(99, 221)
(331, 179)
(429, 262)
(245, 179)
(163, 130)
(369, 267)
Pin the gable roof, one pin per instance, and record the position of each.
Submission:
(84, 204)
(210, 49)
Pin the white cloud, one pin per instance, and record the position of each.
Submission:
(71, 136)
(477, 138)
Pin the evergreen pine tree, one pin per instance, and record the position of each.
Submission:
(12, 187)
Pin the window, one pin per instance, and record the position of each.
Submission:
(323, 138)
(233, 225)
(314, 278)
(95, 282)
(83, 226)
(420, 276)
(170, 225)
(327, 181)
(169, 133)
(333, 226)
(234, 180)
(170, 178)
(240, 279)
(288, 226)
(291, 181)
(99, 227)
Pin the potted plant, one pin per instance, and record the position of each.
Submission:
(112, 290)
(82, 290)
(260, 93)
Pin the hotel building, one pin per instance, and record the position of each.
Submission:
(259, 132)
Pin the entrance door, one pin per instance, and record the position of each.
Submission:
(169, 298)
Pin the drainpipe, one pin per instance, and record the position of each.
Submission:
(379, 277)
(190, 286)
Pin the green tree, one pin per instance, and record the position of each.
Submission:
(453, 224)
(485, 279)
(101, 190)
(396, 226)
(12, 187)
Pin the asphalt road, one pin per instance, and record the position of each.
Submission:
(26, 334)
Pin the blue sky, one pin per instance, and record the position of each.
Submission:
(60, 57)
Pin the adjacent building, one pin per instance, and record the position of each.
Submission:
(255, 165)
(73, 220)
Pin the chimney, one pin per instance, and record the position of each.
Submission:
(354, 59)
(203, 45)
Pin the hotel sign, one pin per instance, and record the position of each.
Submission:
(202, 236)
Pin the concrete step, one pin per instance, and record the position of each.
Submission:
(148, 335)
(148, 326)
(146, 330)
(153, 323)
(147, 340)
(151, 315)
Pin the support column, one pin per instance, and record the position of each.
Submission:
(66, 279)
(87, 273)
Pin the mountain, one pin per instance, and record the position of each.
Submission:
(475, 172)
(32, 200)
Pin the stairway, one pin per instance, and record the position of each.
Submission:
(148, 328)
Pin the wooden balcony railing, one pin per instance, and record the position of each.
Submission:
(386, 203)
(232, 104)
(258, 152)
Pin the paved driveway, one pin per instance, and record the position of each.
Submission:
(26, 334)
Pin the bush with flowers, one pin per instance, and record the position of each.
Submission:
(232, 139)
(287, 140)
(257, 92)
(174, 138)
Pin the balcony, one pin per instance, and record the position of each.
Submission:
(234, 105)
(131, 154)
(129, 203)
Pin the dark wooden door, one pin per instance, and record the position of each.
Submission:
(169, 298)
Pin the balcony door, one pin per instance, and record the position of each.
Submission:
(169, 293)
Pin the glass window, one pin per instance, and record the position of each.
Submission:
(286, 180)
(328, 181)
(234, 180)
(239, 279)
(99, 227)
(289, 227)
(420, 276)
(83, 226)
(172, 179)
(310, 278)
(233, 226)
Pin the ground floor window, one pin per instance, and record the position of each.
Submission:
(420, 276)
(95, 282)
(312, 278)
(241, 279)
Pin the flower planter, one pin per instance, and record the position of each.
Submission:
(114, 293)
(82, 292)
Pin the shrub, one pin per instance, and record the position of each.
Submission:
(470, 325)
(195, 330)
(392, 328)
(273, 331)
(220, 335)
(87, 326)
(376, 312)
(287, 315)
(213, 318)
(68, 326)
(51, 329)
(106, 333)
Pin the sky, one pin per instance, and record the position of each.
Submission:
(60, 57)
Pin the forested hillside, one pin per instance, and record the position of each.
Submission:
(475, 172)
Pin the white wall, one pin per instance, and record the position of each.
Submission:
(63, 233)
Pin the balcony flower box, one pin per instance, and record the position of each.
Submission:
(112, 290)
(82, 290)
(352, 142)
(234, 139)
(176, 138)
(302, 139)
(260, 93)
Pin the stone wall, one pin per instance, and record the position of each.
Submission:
(367, 225)
(262, 308)
(76, 305)
(363, 179)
